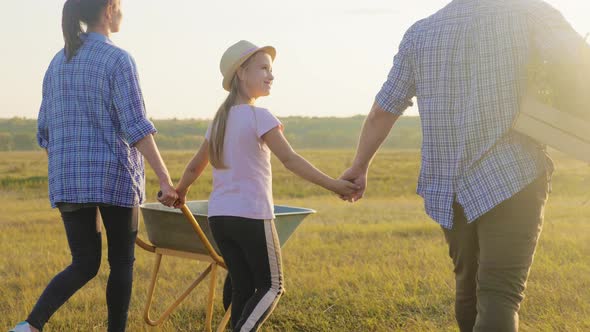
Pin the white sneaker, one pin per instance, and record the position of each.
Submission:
(21, 327)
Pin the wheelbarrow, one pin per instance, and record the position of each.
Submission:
(185, 233)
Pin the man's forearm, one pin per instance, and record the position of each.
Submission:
(376, 127)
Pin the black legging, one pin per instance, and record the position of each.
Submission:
(85, 246)
(252, 252)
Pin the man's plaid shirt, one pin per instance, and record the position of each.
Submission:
(467, 65)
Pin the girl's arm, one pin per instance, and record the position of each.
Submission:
(192, 171)
(279, 145)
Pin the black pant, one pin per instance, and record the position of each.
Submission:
(85, 246)
(492, 257)
(252, 252)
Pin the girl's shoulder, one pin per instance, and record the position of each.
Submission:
(245, 107)
(251, 111)
(265, 120)
(262, 110)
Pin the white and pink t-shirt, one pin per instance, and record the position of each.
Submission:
(244, 188)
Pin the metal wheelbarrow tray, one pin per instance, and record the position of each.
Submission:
(185, 233)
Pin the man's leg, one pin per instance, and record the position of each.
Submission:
(463, 250)
(508, 237)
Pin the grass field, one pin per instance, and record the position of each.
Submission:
(378, 265)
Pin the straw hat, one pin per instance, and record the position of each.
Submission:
(236, 55)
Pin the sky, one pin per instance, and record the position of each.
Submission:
(332, 55)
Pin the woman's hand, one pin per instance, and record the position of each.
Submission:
(167, 195)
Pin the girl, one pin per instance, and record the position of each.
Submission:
(238, 145)
(93, 126)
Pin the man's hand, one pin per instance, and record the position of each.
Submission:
(357, 176)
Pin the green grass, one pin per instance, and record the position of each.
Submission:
(378, 265)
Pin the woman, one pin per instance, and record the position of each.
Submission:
(93, 125)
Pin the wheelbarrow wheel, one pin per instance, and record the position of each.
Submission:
(227, 292)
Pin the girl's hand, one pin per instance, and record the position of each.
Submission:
(356, 175)
(344, 187)
(181, 197)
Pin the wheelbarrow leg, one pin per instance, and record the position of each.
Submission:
(150, 296)
(224, 320)
(211, 297)
(176, 303)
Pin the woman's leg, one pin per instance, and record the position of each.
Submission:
(121, 228)
(85, 247)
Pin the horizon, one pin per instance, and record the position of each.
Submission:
(209, 119)
(325, 50)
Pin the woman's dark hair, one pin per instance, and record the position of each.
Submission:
(75, 13)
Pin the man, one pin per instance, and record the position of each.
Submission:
(483, 183)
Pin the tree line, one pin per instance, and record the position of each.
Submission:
(19, 134)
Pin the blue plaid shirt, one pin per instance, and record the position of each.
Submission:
(91, 115)
(467, 65)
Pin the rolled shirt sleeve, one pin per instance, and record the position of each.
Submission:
(42, 129)
(566, 56)
(398, 90)
(128, 101)
(554, 38)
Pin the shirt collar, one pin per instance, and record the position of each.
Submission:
(95, 36)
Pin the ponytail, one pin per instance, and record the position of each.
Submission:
(217, 134)
(71, 27)
(75, 13)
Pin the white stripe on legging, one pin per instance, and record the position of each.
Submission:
(270, 299)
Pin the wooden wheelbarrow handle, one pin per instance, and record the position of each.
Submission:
(191, 219)
(144, 245)
(189, 216)
(210, 250)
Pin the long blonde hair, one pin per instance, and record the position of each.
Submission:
(217, 135)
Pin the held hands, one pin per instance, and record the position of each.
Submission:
(167, 195)
(358, 176)
(344, 187)
(181, 196)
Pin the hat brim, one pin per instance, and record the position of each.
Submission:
(227, 78)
